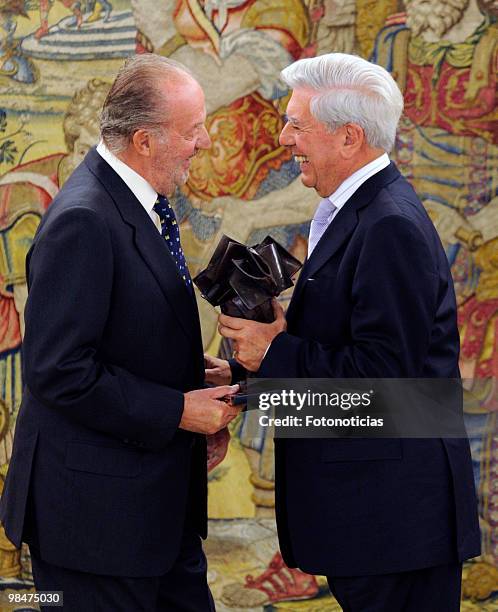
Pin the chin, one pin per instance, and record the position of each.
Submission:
(166, 190)
(181, 180)
(307, 182)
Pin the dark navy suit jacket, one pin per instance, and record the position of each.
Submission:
(375, 299)
(101, 479)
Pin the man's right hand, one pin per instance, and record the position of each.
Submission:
(205, 413)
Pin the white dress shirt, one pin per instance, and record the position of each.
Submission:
(346, 189)
(140, 188)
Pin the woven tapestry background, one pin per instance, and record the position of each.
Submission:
(57, 59)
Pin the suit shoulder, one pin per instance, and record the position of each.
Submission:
(81, 192)
(73, 215)
(70, 224)
(396, 215)
(398, 201)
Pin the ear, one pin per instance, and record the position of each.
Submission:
(142, 142)
(354, 138)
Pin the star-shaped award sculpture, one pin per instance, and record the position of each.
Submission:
(242, 279)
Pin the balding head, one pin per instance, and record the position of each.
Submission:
(140, 98)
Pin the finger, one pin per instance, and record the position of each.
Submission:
(227, 332)
(224, 390)
(278, 311)
(231, 322)
(212, 371)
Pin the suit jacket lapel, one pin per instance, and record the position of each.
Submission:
(149, 243)
(341, 228)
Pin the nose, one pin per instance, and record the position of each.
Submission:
(204, 141)
(286, 139)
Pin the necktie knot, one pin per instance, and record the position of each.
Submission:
(324, 210)
(320, 222)
(163, 208)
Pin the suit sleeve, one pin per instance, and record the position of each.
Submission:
(393, 304)
(70, 275)
(238, 371)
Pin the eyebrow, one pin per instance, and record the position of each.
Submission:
(292, 120)
(197, 125)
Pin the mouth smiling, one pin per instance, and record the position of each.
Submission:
(301, 159)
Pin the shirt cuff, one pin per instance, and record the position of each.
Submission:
(267, 349)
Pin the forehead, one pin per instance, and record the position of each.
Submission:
(299, 104)
(184, 104)
(184, 98)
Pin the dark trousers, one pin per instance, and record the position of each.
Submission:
(183, 589)
(433, 589)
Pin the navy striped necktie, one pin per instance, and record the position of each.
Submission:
(171, 234)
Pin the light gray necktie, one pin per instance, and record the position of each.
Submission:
(320, 223)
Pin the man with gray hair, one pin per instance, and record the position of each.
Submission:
(388, 521)
(108, 477)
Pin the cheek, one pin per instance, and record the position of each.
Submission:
(183, 153)
(326, 156)
(309, 147)
(162, 165)
(322, 171)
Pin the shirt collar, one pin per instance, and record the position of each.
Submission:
(141, 189)
(348, 187)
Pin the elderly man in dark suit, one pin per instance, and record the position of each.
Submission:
(107, 481)
(390, 521)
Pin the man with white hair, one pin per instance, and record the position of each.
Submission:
(388, 521)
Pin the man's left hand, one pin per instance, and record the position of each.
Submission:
(217, 371)
(251, 339)
(217, 447)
